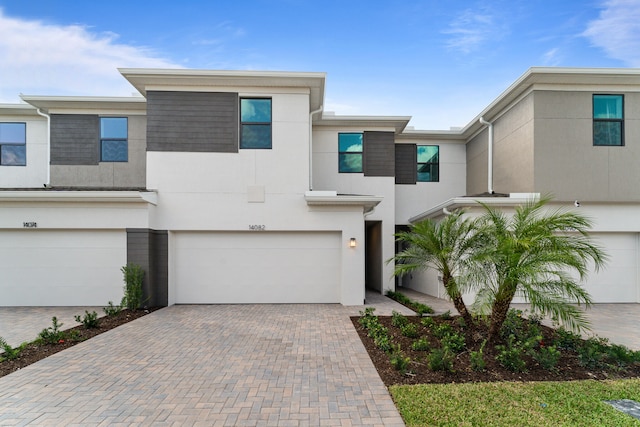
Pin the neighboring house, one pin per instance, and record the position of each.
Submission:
(236, 186)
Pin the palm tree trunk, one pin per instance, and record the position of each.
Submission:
(457, 300)
(499, 312)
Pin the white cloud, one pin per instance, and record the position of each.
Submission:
(617, 30)
(470, 30)
(46, 59)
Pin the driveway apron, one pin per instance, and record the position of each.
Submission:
(288, 365)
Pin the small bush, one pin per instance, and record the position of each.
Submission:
(112, 310)
(510, 356)
(398, 319)
(513, 324)
(421, 344)
(460, 322)
(383, 342)
(477, 359)
(52, 334)
(567, 340)
(593, 353)
(421, 308)
(427, 322)
(446, 315)
(409, 330)
(442, 330)
(455, 342)
(10, 353)
(440, 359)
(89, 320)
(133, 275)
(547, 356)
(398, 360)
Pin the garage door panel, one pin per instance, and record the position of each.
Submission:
(61, 267)
(257, 267)
(617, 282)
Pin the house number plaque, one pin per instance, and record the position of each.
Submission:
(30, 224)
(257, 227)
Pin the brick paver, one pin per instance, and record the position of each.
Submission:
(226, 365)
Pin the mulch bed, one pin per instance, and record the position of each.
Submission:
(34, 352)
(568, 367)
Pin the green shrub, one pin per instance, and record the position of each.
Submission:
(510, 355)
(10, 353)
(421, 344)
(547, 357)
(421, 308)
(446, 315)
(460, 322)
(398, 360)
(409, 330)
(513, 324)
(442, 330)
(133, 275)
(383, 342)
(89, 320)
(567, 340)
(593, 353)
(427, 322)
(398, 319)
(478, 363)
(52, 334)
(112, 310)
(455, 342)
(440, 359)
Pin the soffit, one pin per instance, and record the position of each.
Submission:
(396, 122)
(141, 78)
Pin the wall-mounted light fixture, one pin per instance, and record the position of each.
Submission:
(352, 242)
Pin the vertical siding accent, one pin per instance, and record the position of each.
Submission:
(406, 163)
(75, 139)
(149, 249)
(192, 122)
(378, 158)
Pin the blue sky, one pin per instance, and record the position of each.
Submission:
(441, 61)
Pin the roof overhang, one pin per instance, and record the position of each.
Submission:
(514, 199)
(396, 122)
(17, 110)
(144, 78)
(87, 103)
(37, 196)
(331, 198)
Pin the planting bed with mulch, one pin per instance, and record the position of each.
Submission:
(36, 351)
(573, 364)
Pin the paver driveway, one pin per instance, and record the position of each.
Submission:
(209, 365)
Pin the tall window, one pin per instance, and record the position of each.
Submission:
(113, 139)
(608, 120)
(255, 123)
(428, 163)
(13, 140)
(349, 152)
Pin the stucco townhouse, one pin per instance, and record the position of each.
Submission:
(238, 187)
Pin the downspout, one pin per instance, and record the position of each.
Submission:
(489, 155)
(46, 184)
(311, 147)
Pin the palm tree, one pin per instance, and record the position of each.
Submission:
(446, 246)
(532, 254)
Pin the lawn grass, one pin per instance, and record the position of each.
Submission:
(572, 403)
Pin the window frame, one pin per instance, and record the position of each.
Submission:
(361, 152)
(15, 144)
(419, 163)
(607, 120)
(242, 123)
(109, 139)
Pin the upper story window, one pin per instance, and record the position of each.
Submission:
(113, 139)
(255, 123)
(350, 152)
(13, 140)
(608, 120)
(428, 163)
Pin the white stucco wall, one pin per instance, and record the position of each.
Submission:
(34, 174)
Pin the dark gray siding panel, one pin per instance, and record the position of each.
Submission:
(192, 122)
(75, 139)
(378, 156)
(149, 249)
(406, 163)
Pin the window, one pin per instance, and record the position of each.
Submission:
(113, 139)
(349, 152)
(255, 123)
(13, 140)
(608, 120)
(428, 163)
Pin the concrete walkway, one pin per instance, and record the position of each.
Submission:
(255, 365)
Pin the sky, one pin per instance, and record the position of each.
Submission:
(441, 62)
